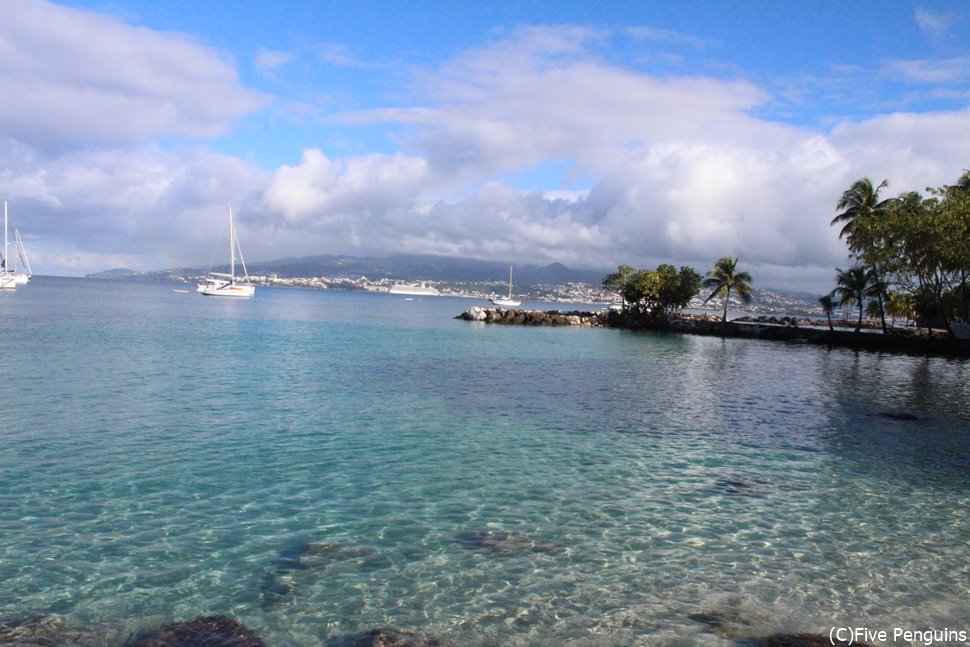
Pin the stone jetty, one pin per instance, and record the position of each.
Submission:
(787, 329)
(533, 317)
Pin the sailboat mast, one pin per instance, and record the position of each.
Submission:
(4, 236)
(232, 248)
(21, 252)
(510, 281)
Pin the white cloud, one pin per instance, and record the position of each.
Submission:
(669, 37)
(147, 207)
(74, 77)
(951, 70)
(320, 189)
(658, 169)
(680, 171)
(337, 55)
(932, 23)
(267, 61)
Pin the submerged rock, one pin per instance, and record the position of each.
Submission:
(314, 554)
(742, 486)
(323, 553)
(276, 585)
(384, 637)
(734, 626)
(502, 541)
(899, 415)
(28, 629)
(206, 631)
(800, 640)
(727, 624)
(273, 591)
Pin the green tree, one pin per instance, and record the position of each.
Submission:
(676, 289)
(827, 302)
(654, 295)
(912, 244)
(641, 290)
(868, 231)
(955, 205)
(618, 280)
(724, 278)
(899, 304)
(858, 204)
(854, 285)
(935, 245)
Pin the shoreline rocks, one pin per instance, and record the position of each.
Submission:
(787, 329)
(533, 317)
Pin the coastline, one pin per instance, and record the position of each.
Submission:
(785, 329)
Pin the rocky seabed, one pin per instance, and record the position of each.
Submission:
(222, 631)
(36, 629)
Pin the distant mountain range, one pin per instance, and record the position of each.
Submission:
(402, 267)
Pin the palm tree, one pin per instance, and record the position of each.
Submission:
(854, 285)
(724, 277)
(899, 304)
(860, 206)
(858, 202)
(828, 306)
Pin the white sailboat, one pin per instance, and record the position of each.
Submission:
(507, 301)
(7, 280)
(218, 284)
(19, 277)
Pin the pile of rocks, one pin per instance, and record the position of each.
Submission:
(533, 317)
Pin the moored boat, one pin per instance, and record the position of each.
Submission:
(219, 284)
(421, 289)
(507, 301)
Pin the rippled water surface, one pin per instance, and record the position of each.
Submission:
(314, 464)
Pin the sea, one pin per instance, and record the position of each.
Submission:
(318, 463)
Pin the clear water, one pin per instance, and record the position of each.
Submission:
(165, 455)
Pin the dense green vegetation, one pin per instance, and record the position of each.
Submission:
(654, 295)
(912, 253)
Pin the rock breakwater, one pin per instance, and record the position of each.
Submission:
(533, 317)
(787, 329)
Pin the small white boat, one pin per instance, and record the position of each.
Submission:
(218, 284)
(507, 301)
(12, 265)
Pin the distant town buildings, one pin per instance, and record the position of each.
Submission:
(765, 301)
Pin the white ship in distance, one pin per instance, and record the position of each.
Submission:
(419, 289)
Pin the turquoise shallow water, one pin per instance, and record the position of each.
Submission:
(314, 464)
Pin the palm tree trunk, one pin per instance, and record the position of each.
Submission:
(727, 296)
(828, 315)
(882, 311)
(858, 326)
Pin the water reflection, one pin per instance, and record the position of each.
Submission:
(900, 418)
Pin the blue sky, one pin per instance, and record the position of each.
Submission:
(525, 132)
